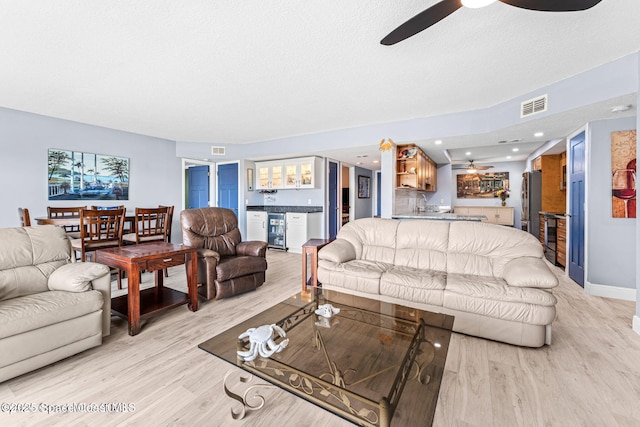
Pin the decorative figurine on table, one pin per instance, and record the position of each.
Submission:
(327, 310)
(262, 343)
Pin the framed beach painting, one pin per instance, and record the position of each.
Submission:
(75, 175)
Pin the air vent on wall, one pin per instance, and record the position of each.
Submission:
(217, 151)
(533, 106)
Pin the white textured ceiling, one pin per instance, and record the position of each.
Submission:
(234, 72)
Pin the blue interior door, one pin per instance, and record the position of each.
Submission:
(228, 186)
(198, 179)
(378, 193)
(576, 179)
(333, 200)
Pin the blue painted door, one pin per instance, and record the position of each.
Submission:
(333, 200)
(228, 186)
(576, 204)
(378, 193)
(198, 181)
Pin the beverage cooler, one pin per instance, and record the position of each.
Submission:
(277, 229)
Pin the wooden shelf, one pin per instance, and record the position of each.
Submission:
(425, 175)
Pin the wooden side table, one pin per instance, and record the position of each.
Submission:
(137, 305)
(311, 248)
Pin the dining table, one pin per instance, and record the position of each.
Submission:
(129, 218)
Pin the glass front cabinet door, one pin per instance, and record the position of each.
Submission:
(300, 173)
(269, 175)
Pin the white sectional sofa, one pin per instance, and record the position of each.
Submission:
(51, 307)
(492, 278)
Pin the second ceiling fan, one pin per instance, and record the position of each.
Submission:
(471, 168)
(444, 8)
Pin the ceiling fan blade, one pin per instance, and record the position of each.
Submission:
(483, 168)
(422, 21)
(553, 5)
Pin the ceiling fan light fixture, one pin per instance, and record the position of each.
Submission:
(471, 170)
(475, 4)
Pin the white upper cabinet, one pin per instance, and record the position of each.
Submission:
(287, 174)
(270, 175)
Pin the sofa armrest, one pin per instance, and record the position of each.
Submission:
(251, 248)
(81, 277)
(208, 253)
(338, 251)
(529, 272)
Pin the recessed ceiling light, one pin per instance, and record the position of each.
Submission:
(514, 150)
(474, 4)
(468, 153)
(358, 163)
(508, 157)
(438, 142)
(620, 108)
(376, 161)
(538, 134)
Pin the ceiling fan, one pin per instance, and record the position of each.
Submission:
(444, 8)
(471, 168)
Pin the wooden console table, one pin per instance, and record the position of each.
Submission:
(138, 305)
(311, 248)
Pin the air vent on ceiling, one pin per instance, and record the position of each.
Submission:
(533, 106)
(218, 151)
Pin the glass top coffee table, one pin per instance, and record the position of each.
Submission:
(369, 363)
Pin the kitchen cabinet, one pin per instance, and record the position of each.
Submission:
(415, 170)
(270, 175)
(302, 227)
(536, 164)
(288, 173)
(256, 226)
(300, 173)
(501, 215)
(561, 243)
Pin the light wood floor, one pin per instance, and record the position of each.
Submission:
(589, 376)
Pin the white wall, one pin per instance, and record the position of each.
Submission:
(155, 171)
(610, 258)
(515, 170)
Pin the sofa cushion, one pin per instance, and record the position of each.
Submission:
(484, 249)
(28, 256)
(492, 297)
(529, 272)
(358, 275)
(422, 244)
(229, 268)
(76, 277)
(374, 239)
(30, 312)
(412, 284)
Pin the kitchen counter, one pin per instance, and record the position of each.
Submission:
(284, 209)
(442, 216)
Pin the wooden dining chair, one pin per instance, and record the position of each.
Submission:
(168, 235)
(73, 231)
(150, 226)
(25, 219)
(99, 229)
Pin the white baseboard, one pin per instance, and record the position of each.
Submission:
(627, 294)
(636, 325)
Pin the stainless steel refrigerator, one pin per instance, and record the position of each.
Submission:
(531, 197)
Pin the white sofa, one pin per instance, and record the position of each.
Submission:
(51, 307)
(492, 278)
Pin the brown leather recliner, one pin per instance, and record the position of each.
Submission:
(226, 265)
